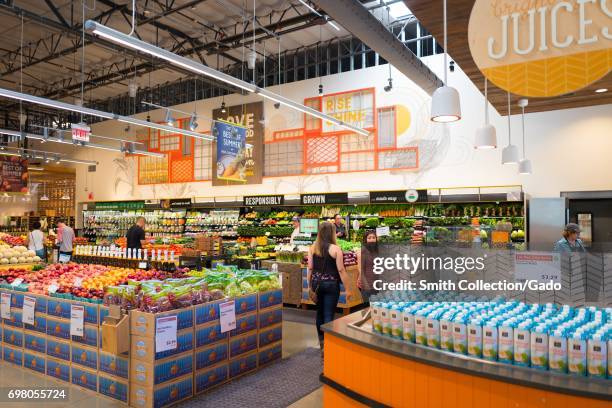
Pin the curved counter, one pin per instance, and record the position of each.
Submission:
(365, 369)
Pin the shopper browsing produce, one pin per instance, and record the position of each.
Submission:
(365, 262)
(65, 237)
(340, 228)
(325, 271)
(36, 240)
(570, 241)
(136, 234)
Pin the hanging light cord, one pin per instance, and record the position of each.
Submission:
(21, 75)
(133, 18)
(486, 101)
(445, 52)
(253, 50)
(523, 120)
(509, 131)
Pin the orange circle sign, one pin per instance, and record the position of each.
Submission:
(540, 48)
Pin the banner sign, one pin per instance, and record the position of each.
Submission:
(327, 198)
(14, 173)
(354, 107)
(119, 205)
(180, 203)
(398, 196)
(80, 132)
(541, 48)
(267, 200)
(235, 164)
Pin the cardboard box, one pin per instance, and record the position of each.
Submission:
(12, 355)
(84, 356)
(270, 298)
(41, 304)
(244, 324)
(207, 312)
(113, 387)
(58, 307)
(58, 349)
(246, 304)
(12, 336)
(84, 377)
(34, 361)
(40, 323)
(270, 353)
(15, 320)
(103, 311)
(59, 369)
(143, 348)
(114, 366)
(154, 373)
(90, 313)
(143, 324)
(16, 300)
(59, 328)
(242, 365)
(162, 395)
(209, 334)
(211, 355)
(242, 344)
(35, 341)
(270, 335)
(210, 377)
(90, 335)
(271, 316)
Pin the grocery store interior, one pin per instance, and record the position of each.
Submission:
(195, 195)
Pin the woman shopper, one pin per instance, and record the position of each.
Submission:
(571, 240)
(365, 262)
(325, 272)
(36, 240)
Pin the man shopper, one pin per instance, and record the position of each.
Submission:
(340, 228)
(65, 238)
(136, 234)
(296, 228)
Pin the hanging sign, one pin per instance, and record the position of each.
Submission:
(180, 203)
(353, 107)
(382, 231)
(325, 198)
(152, 204)
(80, 132)
(265, 200)
(239, 164)
(541, 48)
(165, 333)
(14, 174)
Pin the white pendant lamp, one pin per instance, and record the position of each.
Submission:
(486, 136)
(525, 163)
(445, 103)
(510, 153)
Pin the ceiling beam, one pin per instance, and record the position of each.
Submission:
(57, 13)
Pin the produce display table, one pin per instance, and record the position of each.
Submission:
(291, 275)
(356, 300)
(364, 369)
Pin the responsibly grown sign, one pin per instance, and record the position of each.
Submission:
(541, 48)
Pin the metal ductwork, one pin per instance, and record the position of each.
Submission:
(362, 24)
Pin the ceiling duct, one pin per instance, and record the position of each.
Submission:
(362, 24)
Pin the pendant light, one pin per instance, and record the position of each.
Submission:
(44, 197)
(169, 118)
(486, 137)
(510, 154)
(525, 163)
(445, 103)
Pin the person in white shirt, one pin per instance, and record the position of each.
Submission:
(36, 240)
(296, 228)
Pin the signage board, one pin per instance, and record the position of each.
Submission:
(14, 173)
(263, 200)
(541, 48)
(80, 132)
(539, 266)
(324, 199)
(398, 196)
(231, 157)
(353, 107)
(180, 203)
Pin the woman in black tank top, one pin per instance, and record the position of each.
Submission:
(325, 272)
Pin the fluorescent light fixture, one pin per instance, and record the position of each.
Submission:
(331, 23)
(38, 155)
(398, 10)
(193, 66)
(100, 114)
(35, 168)
(601, 90)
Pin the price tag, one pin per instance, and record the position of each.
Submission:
(165, 333)
(52, 288)
(142, 265)
(77, 316)
(64, 258)
(382, 231)
(5, 305)
(227, 316)
(78, 283)
(29, 305)
(17, 282)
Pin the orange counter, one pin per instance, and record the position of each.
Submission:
(363, 369)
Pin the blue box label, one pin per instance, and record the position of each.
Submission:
(58, 349)
(90, 314)
(244, 324)
(85, 357)
(58, 308)
(211, 356)
(12, 355)
(40, 324)
(17, 300)
(114, 365)
(13, 337)
(207, 312)
(85, 379)
(15, 319)
(35, 342)
(270, 298)
(167, 395)
(34, 362)
(185, 319)
(304, 284)
(246, 304)
(41, 304)
(113, 388)
(172, 369)
(305, 296)
(243, 344)
(89, 338)
(59, 329)
(58, 369)
(270, 335)
(209, 334)
(209, 378)
(184, 343)
(270, 354)
(270, 317)
(243, 365)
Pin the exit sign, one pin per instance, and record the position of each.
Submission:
(80, 132)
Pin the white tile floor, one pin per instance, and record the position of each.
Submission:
(296, 337)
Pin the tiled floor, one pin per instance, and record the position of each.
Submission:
(296, 337)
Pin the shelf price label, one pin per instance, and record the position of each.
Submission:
(5, 305)
(29, 306)
(77, 317)
(227, 316)
(165, 333)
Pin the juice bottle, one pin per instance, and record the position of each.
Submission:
(505, 349)
(597, 355)
(490, 340)
(433, 330)
(609, 336)
(446, 331)
(539, 347)
(376, 317)
(557, 352)
(420, 325)
(474, 338)
(459, 334)
(408, 323)
(385, 316)
(522, 344)
(576, 353)
(396, 321)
